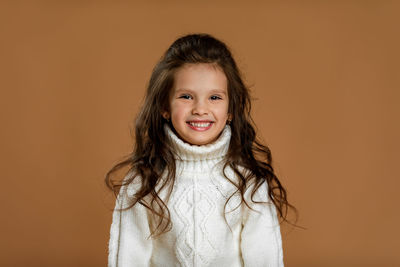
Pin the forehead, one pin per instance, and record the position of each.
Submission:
(201, 76)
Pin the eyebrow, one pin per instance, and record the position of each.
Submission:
(214, 91)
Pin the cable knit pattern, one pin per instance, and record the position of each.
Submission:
(200, 236)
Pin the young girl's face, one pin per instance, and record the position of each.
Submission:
(199, 103)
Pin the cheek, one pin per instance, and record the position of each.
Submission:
(223, 111)
(178, 110)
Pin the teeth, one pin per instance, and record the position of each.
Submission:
(200, 124)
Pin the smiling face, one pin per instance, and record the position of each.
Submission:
(199, 103)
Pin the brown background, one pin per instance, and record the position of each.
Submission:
(325, 75)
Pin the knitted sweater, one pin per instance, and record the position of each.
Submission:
(200, 236)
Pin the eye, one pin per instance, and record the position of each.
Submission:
(215, 97)
(185, 96)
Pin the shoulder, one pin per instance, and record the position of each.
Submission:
(255, 189)
(130, 185)
(133, 187)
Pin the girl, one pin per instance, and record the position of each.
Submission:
(200, 190)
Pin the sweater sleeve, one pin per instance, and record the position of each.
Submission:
(261, 242)
(129, 243)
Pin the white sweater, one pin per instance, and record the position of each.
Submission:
(200, 236)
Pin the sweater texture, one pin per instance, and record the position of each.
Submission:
(200, 235)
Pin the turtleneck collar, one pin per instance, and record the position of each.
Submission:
(188, 152)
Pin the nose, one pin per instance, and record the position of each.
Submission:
(200, 108)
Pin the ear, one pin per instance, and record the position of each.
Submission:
(165, 115)
(229, 117)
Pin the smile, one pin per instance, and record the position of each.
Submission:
(200, 126)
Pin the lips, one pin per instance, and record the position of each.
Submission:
(200, 125)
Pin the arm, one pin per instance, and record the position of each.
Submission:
(129, 244)
(261, 242)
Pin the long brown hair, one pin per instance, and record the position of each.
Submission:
(152, 155)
